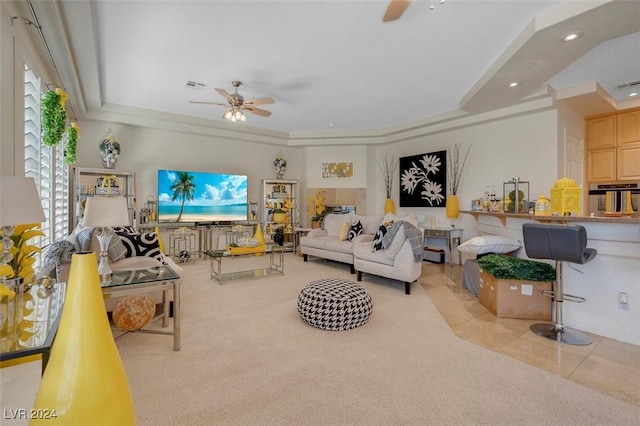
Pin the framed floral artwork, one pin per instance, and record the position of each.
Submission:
(337, 170)
(423, 180)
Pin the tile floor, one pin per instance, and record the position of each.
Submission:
(607, 365)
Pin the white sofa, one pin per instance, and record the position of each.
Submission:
(326, 243)
(397, 261)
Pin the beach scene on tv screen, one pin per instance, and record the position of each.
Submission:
(186, 196)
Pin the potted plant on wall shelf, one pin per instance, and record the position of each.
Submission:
(388, 168)
(454, 172)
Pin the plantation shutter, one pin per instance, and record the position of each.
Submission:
(45, 165)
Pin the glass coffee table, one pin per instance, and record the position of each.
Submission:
(147, 280)
(274, 252)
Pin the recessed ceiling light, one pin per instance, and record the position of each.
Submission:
(513, 84)
(633, 94)
(332, 124)
(574, 35)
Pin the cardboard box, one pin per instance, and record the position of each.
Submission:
(515, 298)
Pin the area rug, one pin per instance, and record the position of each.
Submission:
(247, 358)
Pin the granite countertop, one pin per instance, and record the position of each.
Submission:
(562, 219)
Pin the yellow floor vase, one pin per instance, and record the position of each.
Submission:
(85, 381)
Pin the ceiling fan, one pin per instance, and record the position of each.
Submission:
(397, 8)
(237, 104)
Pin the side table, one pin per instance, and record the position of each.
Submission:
(452, 235)
(181, 245)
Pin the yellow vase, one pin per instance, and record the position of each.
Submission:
(259, 237)
(389, 206)
(279, 217)
(452, 208)
(85, 381)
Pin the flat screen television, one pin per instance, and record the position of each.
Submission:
(189, 196)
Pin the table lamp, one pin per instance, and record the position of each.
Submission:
(103, 213)
(19, 204)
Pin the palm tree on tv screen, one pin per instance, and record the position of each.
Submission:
(184, 188)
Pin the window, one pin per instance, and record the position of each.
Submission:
(45, 165)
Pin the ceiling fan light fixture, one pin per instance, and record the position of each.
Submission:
(234, 115)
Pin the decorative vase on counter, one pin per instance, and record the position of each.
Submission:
(85, 380)
(452, 207)
(389, 206)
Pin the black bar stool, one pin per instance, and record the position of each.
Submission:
(562, 243)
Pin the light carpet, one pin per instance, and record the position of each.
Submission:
(247, 358)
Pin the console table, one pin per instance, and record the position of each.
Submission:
(452, 235)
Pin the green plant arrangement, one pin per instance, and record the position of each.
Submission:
(54, 116)
(73, 134)
(514, 268)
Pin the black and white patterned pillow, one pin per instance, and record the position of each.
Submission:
(354, 231)
(146, 244)
(127, 229)
(377, 239)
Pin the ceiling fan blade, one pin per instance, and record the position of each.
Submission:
(255, 110)
(207, 103)
(260, 101)
(224, 94)
(395, 10)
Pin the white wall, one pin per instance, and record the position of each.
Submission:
(145, 150)
(522, 146)
(315, 156)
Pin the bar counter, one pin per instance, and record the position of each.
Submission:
(635, 219)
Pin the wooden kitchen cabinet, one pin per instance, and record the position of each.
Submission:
(601, 165)
(629, 163)
(613, 147)
(629, 129)
(601, 132)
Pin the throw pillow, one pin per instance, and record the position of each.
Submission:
(344, 230)
(489, 244)
(145, 244)
(127, 229)
(88, 235)
(354, 231)
(377, 239)
(332, 223)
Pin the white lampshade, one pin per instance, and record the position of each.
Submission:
(19, 201)
(106, 211)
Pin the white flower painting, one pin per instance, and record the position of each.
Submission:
(423, 180)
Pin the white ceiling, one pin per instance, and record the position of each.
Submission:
(335, 61)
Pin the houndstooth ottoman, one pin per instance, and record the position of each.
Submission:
(334, 304)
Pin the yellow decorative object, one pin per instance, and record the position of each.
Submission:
(628, 207)
(23, 254)
(259, 237)
(258, 250)
(452, 206)
(85, 381)
(543, 206)
(566, 197)
(160, 242)
(279, 217)
(134, 312)
(389, 206)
